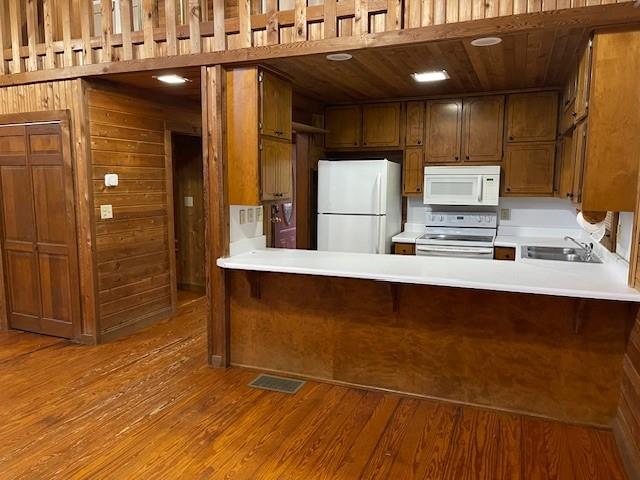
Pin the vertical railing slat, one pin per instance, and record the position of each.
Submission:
(49, 60)
(86, 19)
(66, 32)
(194, 26)
(126, 24)
(427, 13)
(219, 34)
(273, 26)
(147, 28)
(361, 17)
(16, 35)
(3, 32)
(519, 6)
(330, 22)
(439, 12)
(464, 13)
(477, 12)
(300, 20)
(394, 15)
(32, 34)
(106, 10)
(244, 22)
(506, 8)
(170, 21)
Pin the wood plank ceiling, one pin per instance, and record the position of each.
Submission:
(524, 60)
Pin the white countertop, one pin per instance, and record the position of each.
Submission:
(599, 281)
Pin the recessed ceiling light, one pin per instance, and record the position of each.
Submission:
(339, 57)
(486, 41)
(172, 79)
(434, 76)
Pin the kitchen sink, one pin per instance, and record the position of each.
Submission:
(562, 254)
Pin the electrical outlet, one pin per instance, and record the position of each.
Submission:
(250, 215)
(259, 214)
(188, 201)
(106, 212)
(243, 217)
(505, 214)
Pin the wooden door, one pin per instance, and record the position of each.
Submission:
(344, 124)
(483, 129)
(38, 230)
(532, 117)
(529, 169)
(413, 171)
(275, 106)
(275, 167)
(444, 131)
(414, 130)
(381, 125)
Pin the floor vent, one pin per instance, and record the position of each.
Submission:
(277, 384)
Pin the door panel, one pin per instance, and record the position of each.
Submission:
(56, 287)
(49, 198)
(22, 286)
(17, 208)
(444, 131)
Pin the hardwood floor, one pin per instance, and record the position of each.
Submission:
(149, 407)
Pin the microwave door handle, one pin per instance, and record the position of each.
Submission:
(479, 189)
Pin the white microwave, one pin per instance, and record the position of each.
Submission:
(461, 185)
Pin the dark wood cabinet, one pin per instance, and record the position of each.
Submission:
(414, 125)
(276, 169)
(344, 125)
(404, 248)
(413, 171)
(583, 83)
(275, 106)
(504, 253)
(532, 117)
(529, 169)
(381, 125)
(482, 128)
(444, 131)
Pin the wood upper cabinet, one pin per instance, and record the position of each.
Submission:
(579, 154)
(566, 168)
(529, 169)
(444, 131)
(276, 171)
(482, 129)
(413, 171)
(414, 126)
(583, 83)
(275, 106)
(344, 124)
(532, 117)
(381, 125)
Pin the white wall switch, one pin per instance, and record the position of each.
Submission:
(188, 201)
(505, 214)
(106, 212)
(258, 214)
(111, 180)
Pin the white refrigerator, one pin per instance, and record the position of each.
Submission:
(359, 205)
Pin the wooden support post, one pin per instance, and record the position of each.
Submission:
(216, 211)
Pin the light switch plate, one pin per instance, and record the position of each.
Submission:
(188, 201)
(106, 212)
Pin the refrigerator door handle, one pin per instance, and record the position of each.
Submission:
(379, 198)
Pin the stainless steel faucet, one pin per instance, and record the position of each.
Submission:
(587, 247)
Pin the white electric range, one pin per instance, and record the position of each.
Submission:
(458, 234)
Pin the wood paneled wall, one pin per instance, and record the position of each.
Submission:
(67, 95)
(63, 33)
(134, 250)
(516, 352)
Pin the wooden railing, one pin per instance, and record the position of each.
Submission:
(48, 34)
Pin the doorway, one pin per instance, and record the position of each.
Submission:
(37, 219)
(188, 214)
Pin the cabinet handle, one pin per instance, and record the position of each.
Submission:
(419, 142)
(574, 114)
(512, 138)
(418, 189)
(457, 157)
(508, 189)
(467, 157)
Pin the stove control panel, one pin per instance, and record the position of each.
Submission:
(455, 219)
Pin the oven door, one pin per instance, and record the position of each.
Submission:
(452, 189)
(454, 251)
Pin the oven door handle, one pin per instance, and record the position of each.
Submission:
(451, 249)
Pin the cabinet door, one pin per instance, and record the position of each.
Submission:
(275, 106)
(529, 169)
(412, 171)
(567, 165)
(532, 117)
(415, 124)
(344, 125)
(580, 139)
(483, 128)
(381, 125)
(444, 131)
(583, 83)
(275, 168)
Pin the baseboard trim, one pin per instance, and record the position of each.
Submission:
(130, 328)
(630, 455)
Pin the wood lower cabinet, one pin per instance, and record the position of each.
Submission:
(38, 230)
(276, 97)
(529, 169)
(381, 125)
(276, 169)
(404, 248)
(344, 125)
(583, 82)
(504, 253)
(444, 131)
(567, 146)
(482, 129)
(413, 171)
(532, 117)
(414, 126)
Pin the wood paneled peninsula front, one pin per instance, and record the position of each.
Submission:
(517, 336)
